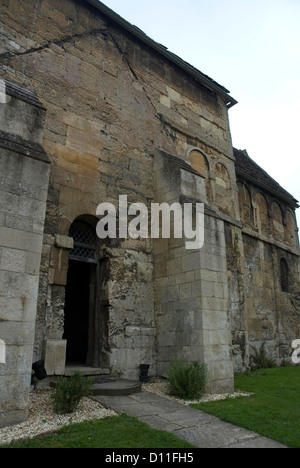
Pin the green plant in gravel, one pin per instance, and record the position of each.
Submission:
(187, 380)
(69, 392)
(260, 359)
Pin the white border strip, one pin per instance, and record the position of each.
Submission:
(2, 92)
(2, 352)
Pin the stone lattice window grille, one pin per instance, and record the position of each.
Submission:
(85, 242)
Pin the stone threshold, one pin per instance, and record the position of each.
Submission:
(86, 371)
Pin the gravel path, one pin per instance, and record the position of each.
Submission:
(42, 418)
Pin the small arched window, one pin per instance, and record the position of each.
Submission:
(199, 162)
(245, 203)
(223, 192)
(262, 213)
(290, 229)
(278, 228)
(284, 275)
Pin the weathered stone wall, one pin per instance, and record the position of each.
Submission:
(263, 309)
(110, 102)
(24, 176)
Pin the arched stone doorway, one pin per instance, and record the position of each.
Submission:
(82, 301)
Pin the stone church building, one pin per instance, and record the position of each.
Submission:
(92, 109)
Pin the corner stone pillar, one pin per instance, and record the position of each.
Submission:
(191, 287)
(24, 179)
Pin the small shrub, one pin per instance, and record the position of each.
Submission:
(260, 359)
(69, 392)
(285, 363)
(187, 380)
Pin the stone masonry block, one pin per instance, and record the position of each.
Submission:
(83, 142)
(191, 262)
(215, 320)
(20, 240)
(55, 357)
(13, 260)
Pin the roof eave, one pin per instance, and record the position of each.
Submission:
(135, 31)
(290, 201)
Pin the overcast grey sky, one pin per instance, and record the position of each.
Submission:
(252, 47)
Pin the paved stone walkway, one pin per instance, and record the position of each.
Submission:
(200, 429)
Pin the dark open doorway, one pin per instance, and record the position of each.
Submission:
(77, 311)
(81, 322)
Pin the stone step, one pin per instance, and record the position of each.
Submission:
(115, 387)
(87, 371)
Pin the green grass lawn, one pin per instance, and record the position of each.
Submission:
(273, 411)
(116, 432)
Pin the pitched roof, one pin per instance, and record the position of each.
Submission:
(247, 169)
(162, 50)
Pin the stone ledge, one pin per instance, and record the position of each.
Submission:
(22, 94)
(19, 145)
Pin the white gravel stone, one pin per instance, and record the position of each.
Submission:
(160, 387)
(43, 419)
